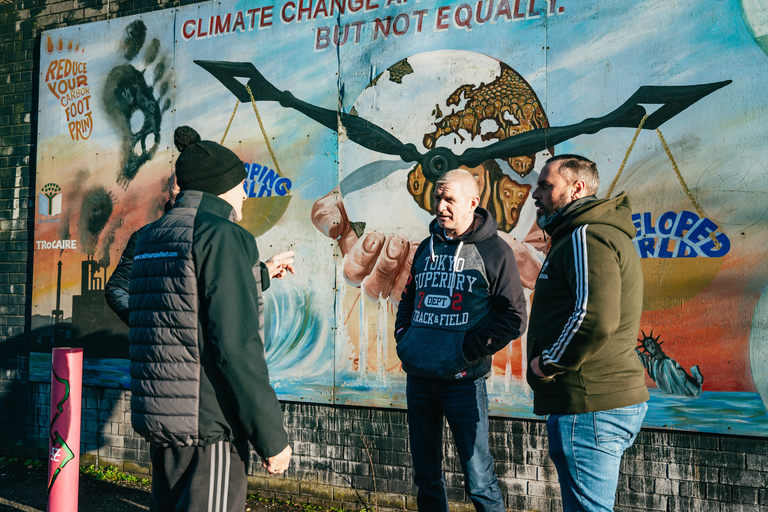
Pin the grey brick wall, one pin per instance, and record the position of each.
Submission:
(343, 456)
(353, 457)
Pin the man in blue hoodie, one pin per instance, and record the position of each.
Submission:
(463, 303)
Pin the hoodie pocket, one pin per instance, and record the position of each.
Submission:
(544, 387)
(433, 353)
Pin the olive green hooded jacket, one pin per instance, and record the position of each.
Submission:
(586, 311)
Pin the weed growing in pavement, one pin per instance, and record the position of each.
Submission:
(110, 473)
(29, 463)
(303, 507)
(113, 474)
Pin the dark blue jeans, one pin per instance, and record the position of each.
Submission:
(465, 406)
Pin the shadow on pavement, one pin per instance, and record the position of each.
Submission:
(25, 489)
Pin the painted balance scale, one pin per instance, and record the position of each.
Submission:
(671, 280)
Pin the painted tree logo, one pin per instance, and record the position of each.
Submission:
(50, 200)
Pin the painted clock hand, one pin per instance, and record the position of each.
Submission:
(674, 99)
(357, 129)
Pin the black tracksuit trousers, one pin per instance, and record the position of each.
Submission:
(199, 478)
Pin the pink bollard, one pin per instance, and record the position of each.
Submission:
(64, 453)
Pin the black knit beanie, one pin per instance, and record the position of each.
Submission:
(209, 167)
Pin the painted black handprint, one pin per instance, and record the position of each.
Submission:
(134, 106)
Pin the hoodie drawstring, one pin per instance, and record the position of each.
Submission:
(432, 249)
(452, 280)
(455, 267)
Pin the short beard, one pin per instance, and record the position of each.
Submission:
(550, 213)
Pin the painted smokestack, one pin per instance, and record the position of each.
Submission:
(58, 314)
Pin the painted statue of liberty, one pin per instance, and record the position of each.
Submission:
(665, 371)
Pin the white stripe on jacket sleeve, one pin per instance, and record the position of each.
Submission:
(579, 242)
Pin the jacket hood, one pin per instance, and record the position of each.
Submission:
(484, 227)
(615, 211)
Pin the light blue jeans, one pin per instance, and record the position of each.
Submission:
(465, 406)
(587, 449)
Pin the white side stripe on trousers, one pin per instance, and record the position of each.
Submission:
(218, 485)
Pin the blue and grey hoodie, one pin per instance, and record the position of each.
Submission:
(463, 303)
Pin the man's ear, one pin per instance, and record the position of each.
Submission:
(474, 202)
(579, 190)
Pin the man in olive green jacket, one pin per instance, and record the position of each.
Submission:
(582, 335)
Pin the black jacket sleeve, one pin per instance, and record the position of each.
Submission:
(263, 277)
(508, 317)
(116, 290)
(230, 297)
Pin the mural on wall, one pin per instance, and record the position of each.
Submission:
(347, 111)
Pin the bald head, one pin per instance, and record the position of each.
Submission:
(456, 197)
(462, 178)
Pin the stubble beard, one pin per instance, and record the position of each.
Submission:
(549, 213)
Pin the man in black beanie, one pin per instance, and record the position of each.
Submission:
(199, 380)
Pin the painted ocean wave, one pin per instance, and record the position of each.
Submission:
(298, 337)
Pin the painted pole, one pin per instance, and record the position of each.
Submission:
(64, 453)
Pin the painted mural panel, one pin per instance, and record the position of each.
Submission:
(346, 111)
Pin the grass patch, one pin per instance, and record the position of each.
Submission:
(112, 474)
(302, 507)
(109, 473)
(29, 463)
